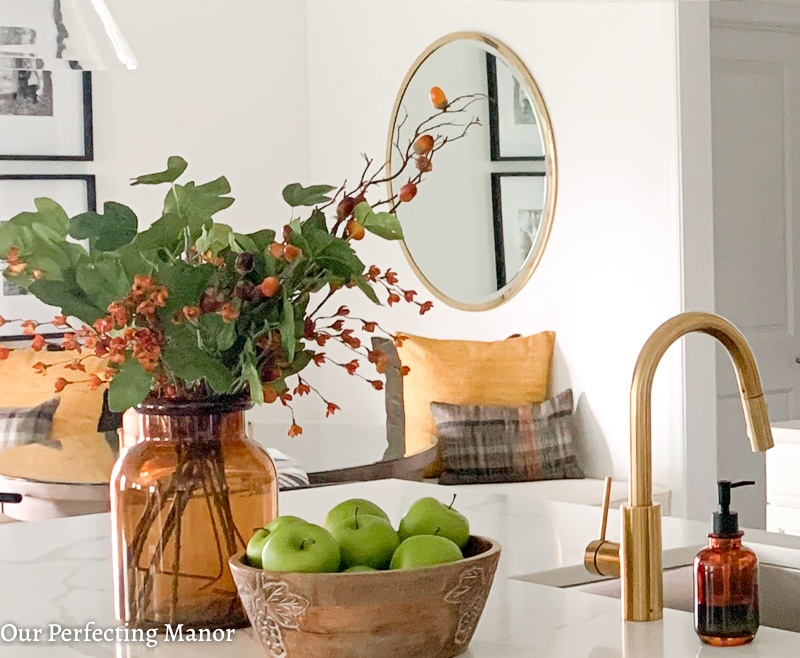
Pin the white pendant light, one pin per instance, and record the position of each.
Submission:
(55, 35)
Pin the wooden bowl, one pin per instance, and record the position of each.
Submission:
(430, 612)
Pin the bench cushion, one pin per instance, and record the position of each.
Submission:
(581, 492)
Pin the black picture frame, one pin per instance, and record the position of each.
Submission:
(494, 117)
(89, 179)
(497, 221)
(91, 205)
(88, 133)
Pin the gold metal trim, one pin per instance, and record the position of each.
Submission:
(551, 169)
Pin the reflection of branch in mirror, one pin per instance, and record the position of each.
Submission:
(420, 149)
(424, 160)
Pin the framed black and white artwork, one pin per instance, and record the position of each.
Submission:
(514, 130)
(76, 194)
(517, 206)
(45, 115)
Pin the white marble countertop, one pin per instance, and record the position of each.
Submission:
(59, 572)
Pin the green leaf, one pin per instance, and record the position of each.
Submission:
(316, 221)
(198, 203)
(10, 236)
(218, 187)
(70, 300)
(185, 284)
(18, 231)
(316, 241)
(133, 262)
(216, 334)
(102, 282)
(243, 243)
(299, 364)
(130, 386)
(340, 259)
(165, 233)
(214, 239)
(52, 215)
(297, 238)
(263, 238)
(384, 225)
(297, 195)
(362, 211)
(367, 289)
(286, 327)
(47, 256)
(107, 232)
(176, 165)
(250, 372)
(192, 364)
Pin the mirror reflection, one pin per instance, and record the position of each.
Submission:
(478, 228)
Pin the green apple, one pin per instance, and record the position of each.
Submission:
(360, 568)
(430, 517)
(346, 510)
(301, 548)
(256, 544)
(425, 551)
(365, 540)
(280, 521)
(255, 547)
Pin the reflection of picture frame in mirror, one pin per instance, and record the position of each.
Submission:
(45, 115)
(77, 194)
(514, 132)
(517, 207)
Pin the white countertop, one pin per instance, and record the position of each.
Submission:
(59, 572)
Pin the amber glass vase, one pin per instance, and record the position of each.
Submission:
(184, 499)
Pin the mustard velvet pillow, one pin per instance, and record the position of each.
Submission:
(515, 371)
(85, 455)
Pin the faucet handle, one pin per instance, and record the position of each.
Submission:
(606, 504)
(602, 557)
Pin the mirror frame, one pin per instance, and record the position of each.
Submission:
(551, 170)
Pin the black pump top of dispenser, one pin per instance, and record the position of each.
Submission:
(726, 523)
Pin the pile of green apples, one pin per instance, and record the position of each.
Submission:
(358, 536)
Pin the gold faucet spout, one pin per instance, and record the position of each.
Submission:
(744, 363)
(641, 545)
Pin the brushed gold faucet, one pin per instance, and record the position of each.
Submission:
(637, 560)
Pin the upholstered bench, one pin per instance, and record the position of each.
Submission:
(60, 482)
(586, 491)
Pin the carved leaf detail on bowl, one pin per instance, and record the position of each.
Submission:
(272, 608)
(469, 596)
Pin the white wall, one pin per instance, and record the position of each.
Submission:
(611, 272)
(222, 84)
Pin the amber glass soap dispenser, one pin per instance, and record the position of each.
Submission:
(726, 580)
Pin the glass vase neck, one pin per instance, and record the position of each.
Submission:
(192, 421)
(176, 407)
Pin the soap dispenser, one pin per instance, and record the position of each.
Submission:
(726, 580)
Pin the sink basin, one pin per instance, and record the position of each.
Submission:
(778, 583)
(779, 594)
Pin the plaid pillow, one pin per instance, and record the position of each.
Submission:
(21, 427)
(482, 444)
(290, 471)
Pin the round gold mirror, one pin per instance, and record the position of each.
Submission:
(477, 229)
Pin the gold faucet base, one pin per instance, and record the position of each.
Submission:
(642, 585)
